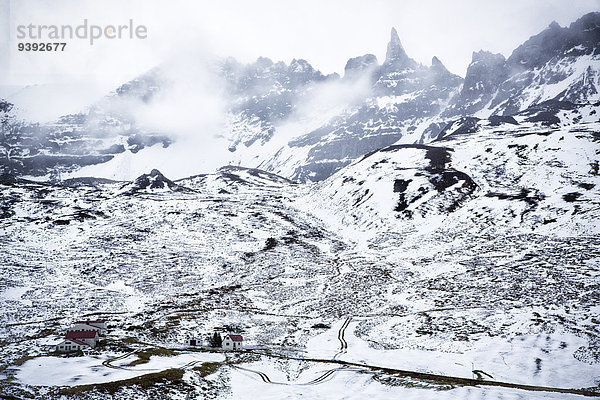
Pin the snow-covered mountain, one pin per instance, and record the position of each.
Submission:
(411, 103)
(557, 64)
(91, 137)
(294, 121)
(404, 100)
(508, 176)
(265, 93)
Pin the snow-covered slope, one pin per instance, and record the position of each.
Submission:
(396, 183)
(523, 177)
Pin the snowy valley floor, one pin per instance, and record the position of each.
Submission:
(240, 251)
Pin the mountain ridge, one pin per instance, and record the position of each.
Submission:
(403, 102)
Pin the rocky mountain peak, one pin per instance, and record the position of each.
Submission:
(487, 57)
(156, 174)
(154, 180)
(300, 66)
(264, 62)
(484, 75)
(487, 69)
(300, 72)
(554, 25)
(581, 37)
(588, 22)
(357, 65)
(395, 54)
(438, 67)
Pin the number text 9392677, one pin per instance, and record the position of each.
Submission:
(41, 46)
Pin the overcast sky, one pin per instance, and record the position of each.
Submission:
(326, 33)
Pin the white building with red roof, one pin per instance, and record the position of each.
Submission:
(78, 340)
(232, 342)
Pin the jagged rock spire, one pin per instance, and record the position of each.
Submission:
(554, 25)
(395, 51)
(395, 57)
(438, 66)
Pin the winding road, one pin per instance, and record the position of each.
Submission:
(321, 378)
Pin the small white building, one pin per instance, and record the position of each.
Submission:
(232, 342)
(194, 342)
(78, 340)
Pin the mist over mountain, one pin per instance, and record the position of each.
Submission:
(297, 122)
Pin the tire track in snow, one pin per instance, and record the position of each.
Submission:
(108, 363)
(320, 379)
(262, 375)
(190, 364)
(341, 332)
